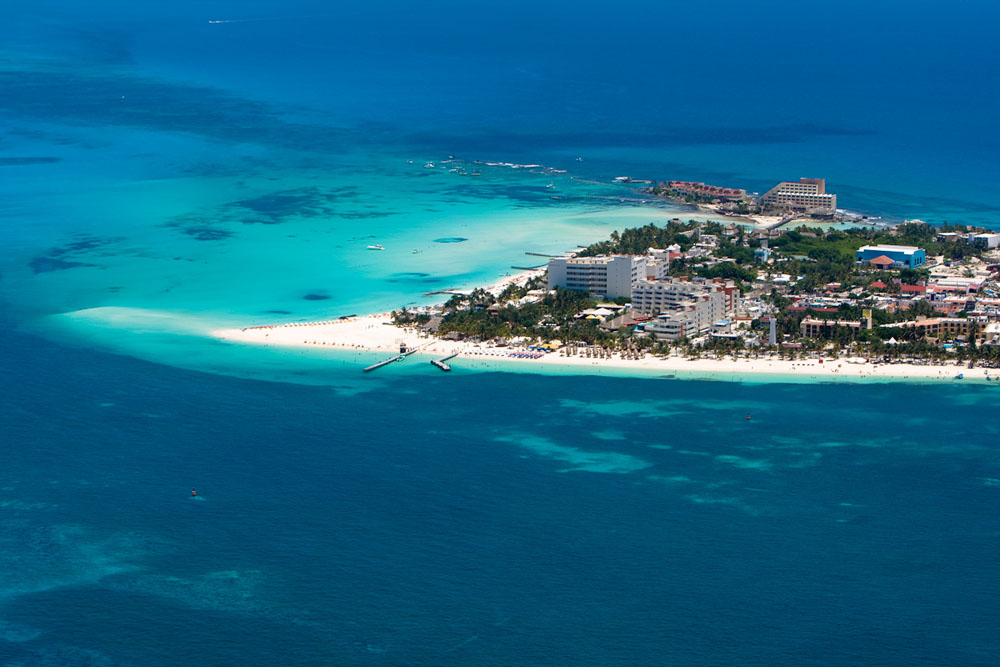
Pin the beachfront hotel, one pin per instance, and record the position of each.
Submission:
(683, 308)
(891, 256)
(809, 194)
(657, 296)
(609, 276)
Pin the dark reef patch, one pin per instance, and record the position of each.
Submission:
(18, 161)
(48, 264)
(276, 312)
(275, 207)
(414, 277)
(207, 233)
(313, 296)
(362, 215)
(450, 239)
(84, 244)
(63, 95)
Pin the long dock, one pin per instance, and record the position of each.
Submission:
(396, 357)
(440, 363)
(385, 362)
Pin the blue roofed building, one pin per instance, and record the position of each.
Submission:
(892, 256)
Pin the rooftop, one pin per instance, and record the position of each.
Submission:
(889, 248)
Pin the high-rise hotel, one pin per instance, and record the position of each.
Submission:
(809, 194)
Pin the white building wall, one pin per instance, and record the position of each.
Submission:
(611, 277)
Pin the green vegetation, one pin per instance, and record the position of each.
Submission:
(638, 240)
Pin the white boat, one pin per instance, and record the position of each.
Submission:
(429, 165)
(377, 246)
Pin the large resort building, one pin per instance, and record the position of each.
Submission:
(683, 308)
(677, 307)
(611, 277)
(809, 194)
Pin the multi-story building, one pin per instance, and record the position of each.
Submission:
(684, 308)
(677, 324)
(937, 327)
(611, 277)
(814, 328)
(809, 194)
(892, 256)
(657, 296)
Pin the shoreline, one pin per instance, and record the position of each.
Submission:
(376, 334)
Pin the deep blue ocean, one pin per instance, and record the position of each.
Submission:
(168, 169)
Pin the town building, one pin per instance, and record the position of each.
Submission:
(809, 194)
(762, 254)
(608, 276)
(892, 256)
(987, 241)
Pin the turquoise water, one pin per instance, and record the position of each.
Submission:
(489, 519)
(162, 176)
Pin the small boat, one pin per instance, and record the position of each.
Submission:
(377, 246)
(415, 252)
(551, 186)
(429, 165)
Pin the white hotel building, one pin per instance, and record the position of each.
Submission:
(683, 308)
(808, 194)
(611, 277)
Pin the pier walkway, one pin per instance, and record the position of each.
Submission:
(403, 354)
(440, 363)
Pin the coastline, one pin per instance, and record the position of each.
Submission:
(377, 334)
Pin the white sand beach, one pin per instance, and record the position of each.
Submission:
(376, 333)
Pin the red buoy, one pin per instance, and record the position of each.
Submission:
(195, 493)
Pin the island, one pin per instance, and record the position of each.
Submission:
(908, 301)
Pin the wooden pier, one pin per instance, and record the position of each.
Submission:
(440, 363)
(385, 362)
(403, 354)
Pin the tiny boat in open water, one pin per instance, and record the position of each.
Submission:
(377, 246)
